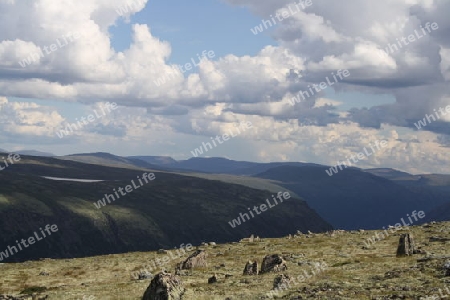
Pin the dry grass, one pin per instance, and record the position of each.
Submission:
(352, 273)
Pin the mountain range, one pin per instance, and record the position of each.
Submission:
(194, 201)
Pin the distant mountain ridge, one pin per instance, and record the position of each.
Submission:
(107, 159)
(353, 198)
(155, 160)
(29, 152)
(171, 210)
(218, 165)
(34, 153)
(357, 189)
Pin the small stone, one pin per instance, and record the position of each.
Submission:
(447, 268)
(144, 275)
(251, 268)
(251, 239)
(281, 281)
(212, 279)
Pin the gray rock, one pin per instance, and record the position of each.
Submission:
(406, 245)
(144, 275)
(195, 260)
(447, 268)
(212, 279)
(164, 287)
(281, 281)
(251, 268)
(251, 239)
(273, 263)
(438, 239)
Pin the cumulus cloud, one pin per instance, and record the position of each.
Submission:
(20, 121)
(311, 44)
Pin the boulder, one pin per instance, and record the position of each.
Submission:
(281, 281)
(273, 263)
(164, 286)
(251, 268)
(438, 239)
(447, 268)
(144, 275)
(195, 260)
(212, 279)
(406, 245)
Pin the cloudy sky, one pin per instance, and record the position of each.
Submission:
(127, 52)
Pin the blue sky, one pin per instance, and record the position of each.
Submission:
(192, 27)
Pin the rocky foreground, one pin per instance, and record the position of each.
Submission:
(333, 265)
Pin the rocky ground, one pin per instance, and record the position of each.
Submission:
(334, 265)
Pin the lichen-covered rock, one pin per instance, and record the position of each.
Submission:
(281, 281)
(164, 286)
(195, 260)
(273, 263)
(406, 245)
(251, 268)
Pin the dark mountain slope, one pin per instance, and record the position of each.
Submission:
(171, 210)
(441, 213)
(352, 198)
(227, 166)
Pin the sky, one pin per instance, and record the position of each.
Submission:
(318, 80)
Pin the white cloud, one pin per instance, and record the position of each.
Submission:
(350, 34)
